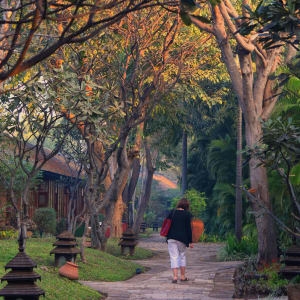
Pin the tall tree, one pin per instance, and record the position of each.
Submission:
(184, 163)
(256, 91)
(239, 176)
(146, 193)
(28, 119)
(133, 67)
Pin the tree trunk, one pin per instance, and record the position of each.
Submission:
(92, 196)
(244, 86)
(136, 167)
(239, 177)
(95, 232)
(112, 194)
(71, 217)
(16, 207)
(25, 217)
(116, 230)
(130, 189)
(119, 206)
(143, 203)
(84, 238)
(184, 163)
(267, 245)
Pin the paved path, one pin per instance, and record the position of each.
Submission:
(209, 279)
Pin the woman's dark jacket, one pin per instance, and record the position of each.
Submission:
(181, 229)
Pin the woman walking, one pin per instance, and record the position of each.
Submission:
(179, 237)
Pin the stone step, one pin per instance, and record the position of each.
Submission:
(293, 251)
(289, 272)
(292, 260)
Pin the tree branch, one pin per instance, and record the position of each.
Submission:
(242, 41)
(202, 26)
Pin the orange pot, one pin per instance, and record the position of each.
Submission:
(69, 270)
(197, 229)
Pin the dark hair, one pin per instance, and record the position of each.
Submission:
(183, 203)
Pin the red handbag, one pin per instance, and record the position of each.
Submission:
(165, 227)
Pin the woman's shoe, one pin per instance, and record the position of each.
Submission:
(185, 279)
(174, 281)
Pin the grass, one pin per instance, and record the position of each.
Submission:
(100, 266)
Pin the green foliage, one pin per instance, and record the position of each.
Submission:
(221, 158)
(149, 217)
(274, 282)
(275, 21)
(211, 164)
(235, 250)
(45, 219)
(251, 278)
(223, 195)
(8, 234)
(210, 238)
(281, 141)
(295, 280)
(295, 173)
(267, 281)
(196, 199)
(12, 174)
(280, 152)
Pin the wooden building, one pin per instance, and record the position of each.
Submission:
(54, 191)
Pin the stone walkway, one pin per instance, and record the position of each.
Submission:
(209, 279)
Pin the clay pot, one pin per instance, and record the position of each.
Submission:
(69, 270)
(293, 292)
(197, 229)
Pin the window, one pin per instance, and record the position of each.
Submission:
(43, 199)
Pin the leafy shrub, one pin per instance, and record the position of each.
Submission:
(295, 280)
(235, 250)
(210, 238)
(45, 219)
(250, 279)
(8, 234)
(273, 284)
(197, 201)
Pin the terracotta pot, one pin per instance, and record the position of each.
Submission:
(69, 270)
(197, 229)
(293, 292)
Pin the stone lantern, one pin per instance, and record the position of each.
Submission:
(21, 279)
(128, 240)
(65, 249)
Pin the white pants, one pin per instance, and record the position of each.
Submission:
(177, 253)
